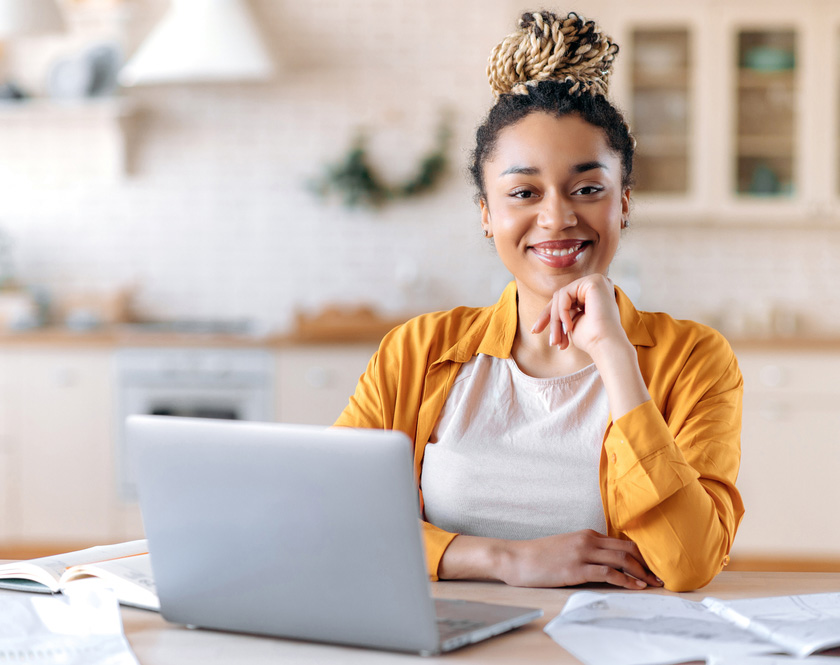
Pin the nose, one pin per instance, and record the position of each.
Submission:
(557, 212)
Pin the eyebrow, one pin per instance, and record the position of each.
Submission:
(583, 167)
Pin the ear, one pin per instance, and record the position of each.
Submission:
(485, 218)
(625, 207)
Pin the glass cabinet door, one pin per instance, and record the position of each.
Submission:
(660, 107)
(765, 125)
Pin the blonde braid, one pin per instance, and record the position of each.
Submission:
(549, 47)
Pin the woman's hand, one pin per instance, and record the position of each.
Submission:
(555, 561)
(583, 313)
(575, 558)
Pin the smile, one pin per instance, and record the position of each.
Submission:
(565, 251)
(560, 254)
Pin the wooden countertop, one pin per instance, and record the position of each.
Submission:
(125, 336)
(368, 333)
(155, 641)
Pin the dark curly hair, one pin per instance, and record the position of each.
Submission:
(557, 99)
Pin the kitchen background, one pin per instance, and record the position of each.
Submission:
(193, 202)
(212, 218)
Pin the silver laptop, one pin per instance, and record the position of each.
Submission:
(295, 531)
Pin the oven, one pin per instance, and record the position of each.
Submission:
(234, 384)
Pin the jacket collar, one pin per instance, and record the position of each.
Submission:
(632, 322)
(493, 331)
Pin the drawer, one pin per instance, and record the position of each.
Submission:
(314, 384)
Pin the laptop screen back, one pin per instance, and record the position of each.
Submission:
(285, 530)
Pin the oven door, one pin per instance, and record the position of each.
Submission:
(228, 384)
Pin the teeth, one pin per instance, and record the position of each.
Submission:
(560, 252)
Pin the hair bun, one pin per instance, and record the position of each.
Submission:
(549, 47)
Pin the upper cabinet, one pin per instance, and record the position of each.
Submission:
(735, 107)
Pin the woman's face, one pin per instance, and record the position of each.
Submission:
(555, 202)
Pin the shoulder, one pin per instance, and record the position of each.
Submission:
(435, 333)
(667, 331)
(688, 351)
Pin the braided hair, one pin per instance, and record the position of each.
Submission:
(559, 66)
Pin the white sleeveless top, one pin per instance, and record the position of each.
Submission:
(516, 457)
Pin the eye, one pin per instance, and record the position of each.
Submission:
(589, 190)
(522, 193)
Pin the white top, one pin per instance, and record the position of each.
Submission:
(516, 457)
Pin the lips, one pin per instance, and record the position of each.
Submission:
(560, 253)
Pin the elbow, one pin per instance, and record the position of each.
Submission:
(688, 573)
(686, 582)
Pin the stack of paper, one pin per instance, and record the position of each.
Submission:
(651, 629)
(81, 627)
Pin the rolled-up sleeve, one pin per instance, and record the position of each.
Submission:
(670, 470)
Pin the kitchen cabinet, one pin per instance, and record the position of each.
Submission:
(57, 141)
(7, 480)
(57, 428)
(735, 107)
(58, 480)
(790, 455)
(314, 383)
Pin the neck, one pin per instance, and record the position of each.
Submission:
(533, 353)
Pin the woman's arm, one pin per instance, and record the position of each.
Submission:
(670, 486)
(555, 561)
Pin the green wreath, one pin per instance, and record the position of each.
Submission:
(358, 184)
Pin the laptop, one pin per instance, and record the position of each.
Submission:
(295, 531)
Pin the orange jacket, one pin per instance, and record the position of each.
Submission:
(668, 467)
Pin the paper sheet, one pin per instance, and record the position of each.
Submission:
(646, 629)
(80, 627)
(800, 624)
(774, 660)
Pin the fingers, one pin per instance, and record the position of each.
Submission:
(628, 565)
(624, 557)
(609, 575)
(565, 304)
(558, 318)
(557, 331)
(543, 319)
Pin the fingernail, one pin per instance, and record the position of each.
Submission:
(533, 328)
(563, 327)
(551, 338)
(640, 584)
(660, 581)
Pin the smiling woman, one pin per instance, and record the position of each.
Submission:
(561, 436)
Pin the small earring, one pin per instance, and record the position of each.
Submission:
(625, 223)
(486, 233)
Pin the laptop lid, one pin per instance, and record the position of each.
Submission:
(286, 530)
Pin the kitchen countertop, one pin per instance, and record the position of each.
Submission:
(119, 336)
(368, 331)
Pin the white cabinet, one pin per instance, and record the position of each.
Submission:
(735, 106)
(314, 383)
(7, 480)
(56, 423)
(57, 435)
(790, 455)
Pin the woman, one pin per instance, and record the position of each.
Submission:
(561, 436)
